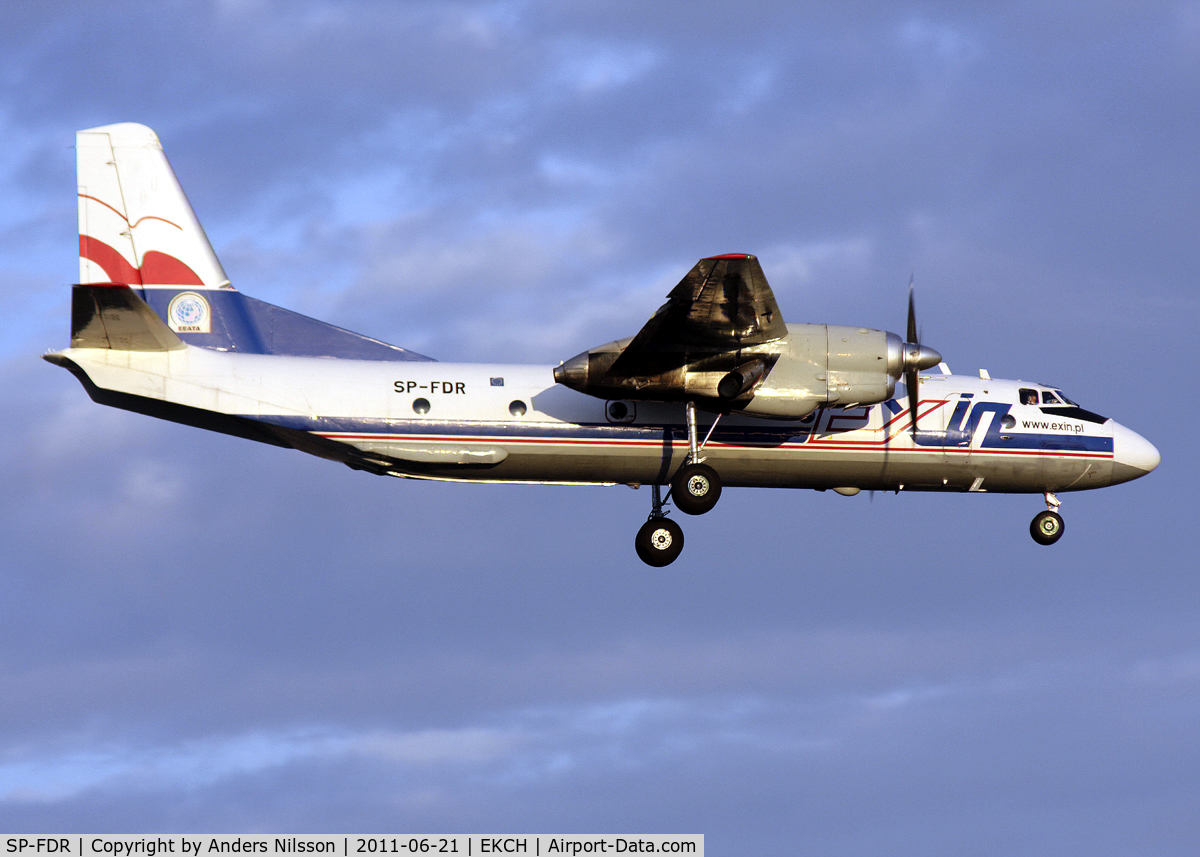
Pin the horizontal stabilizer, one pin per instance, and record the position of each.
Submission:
(113, 316)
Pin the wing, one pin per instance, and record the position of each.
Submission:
(723, 305)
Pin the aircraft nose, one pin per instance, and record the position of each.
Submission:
(1133, 455)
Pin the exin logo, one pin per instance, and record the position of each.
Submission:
(188, 313)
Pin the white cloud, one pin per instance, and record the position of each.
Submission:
(814, 262)
(553, 741)
(148, 485)
(588, 68)
(535, 743)
(437, 746)
(50, 775)
(940, 41)
(75, 428)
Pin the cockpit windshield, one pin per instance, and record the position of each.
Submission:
(1045, 396)
(1052, 401)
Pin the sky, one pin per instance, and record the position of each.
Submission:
(202, 634)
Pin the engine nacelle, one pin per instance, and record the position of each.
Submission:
(787, 378)
(825, 364)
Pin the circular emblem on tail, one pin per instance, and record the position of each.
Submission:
(188, 313)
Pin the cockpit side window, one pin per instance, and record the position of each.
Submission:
(1028, 397)
(1049, 398)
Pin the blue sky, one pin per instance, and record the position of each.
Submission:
(203, 634)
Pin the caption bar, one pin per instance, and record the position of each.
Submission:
(467, 845)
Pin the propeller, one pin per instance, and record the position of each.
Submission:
(916, 358)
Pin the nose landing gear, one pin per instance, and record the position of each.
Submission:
(1047, 527)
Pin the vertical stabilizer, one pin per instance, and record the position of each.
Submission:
(137, 229)
(136, 226)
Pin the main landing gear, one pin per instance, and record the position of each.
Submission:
(695, 488)
(1047, 527)
(660, 540)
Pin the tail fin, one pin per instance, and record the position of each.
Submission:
(137, 228)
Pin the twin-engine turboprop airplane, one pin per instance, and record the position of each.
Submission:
(157, 328)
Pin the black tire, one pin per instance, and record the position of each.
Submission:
(1047, 528)
(659, 542)
(695, 488)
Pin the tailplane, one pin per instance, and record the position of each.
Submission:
(137, 229)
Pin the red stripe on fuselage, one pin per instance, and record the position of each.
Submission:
(830, 446)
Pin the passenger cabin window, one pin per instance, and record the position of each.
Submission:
(1028, 397)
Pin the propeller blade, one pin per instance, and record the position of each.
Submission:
(916, 358)
(911, 381)
(913, 336)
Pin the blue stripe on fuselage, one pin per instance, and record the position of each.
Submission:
(963, 425)
(996, 440)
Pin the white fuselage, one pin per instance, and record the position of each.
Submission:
(485, 422)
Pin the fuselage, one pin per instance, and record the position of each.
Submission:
(719, 389)
(496, 422)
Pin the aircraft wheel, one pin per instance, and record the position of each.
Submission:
(1047, 528)
(659, 542)
(696, 488)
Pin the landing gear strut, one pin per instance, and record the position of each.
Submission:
(695, 487)
(1047, 527)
